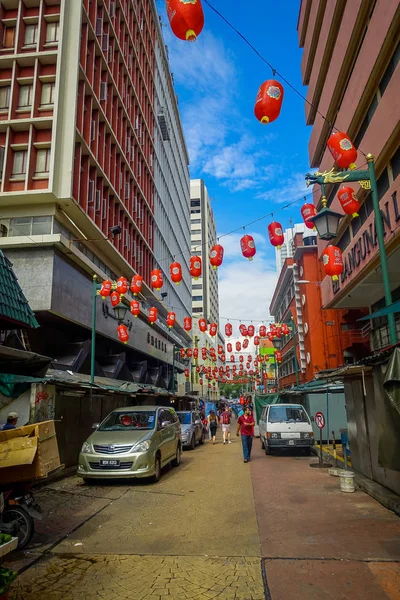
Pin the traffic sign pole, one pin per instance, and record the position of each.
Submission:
(320, 423)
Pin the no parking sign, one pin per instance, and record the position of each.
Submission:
(320, 420)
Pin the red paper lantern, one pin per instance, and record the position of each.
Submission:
(216, 256)
(250, 330)
(333, 261)
(248, 246)
(342, 150)
(241, 400)
(202, 324)
(115, 298)
(223, 357)
(182, 352)
(308, 211)
(348, 200)
(241, 358)
(195, 353)
(247, 365)
(175, 271)
(123, 333)
(204, 353)
(278, 332)
(197, 369)
(135, 307)
(189, 353)
(156, 279)
(285, 329)
(220, 349)
(186, 18)
(263, 331)
(201, 381)
(171, 318)
(213, 329)
(153, 313)
(270, 336)
(278, 355)
(275, 233)
(122, 285)
(136, 284)
(232, 358)
(187, 323)
(245, 344)
(268, 101)
(256, 340)
(195, 266)
(229, 347)
(105, 289)
(238, 346)
(228, 330)
(187, 373)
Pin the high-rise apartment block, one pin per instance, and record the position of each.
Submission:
(90, 139)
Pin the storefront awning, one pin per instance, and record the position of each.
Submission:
(392, 308)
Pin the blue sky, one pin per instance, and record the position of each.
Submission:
(249, 169)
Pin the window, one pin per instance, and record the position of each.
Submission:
(197, 298)
(43, 161)
(195, 231)
(390, 70)
(194, 203)
(31, 34)
(197, 310)
(4, 97)
(9, 37)
(197, 286)
(383, 184)
(48, 94)
(19, 164)
(20, 226)
(52, 32)
(42, 225)
(25, 96)
(195, 221)
(395, 162)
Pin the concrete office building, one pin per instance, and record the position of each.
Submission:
(351, 66)
(91, 138)
(287, 248)
(204, 290)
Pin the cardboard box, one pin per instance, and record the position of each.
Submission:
(29, 452)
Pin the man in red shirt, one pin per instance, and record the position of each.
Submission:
(246, 429)
(226, 425)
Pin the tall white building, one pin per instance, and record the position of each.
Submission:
(205, 300)
(286, 250)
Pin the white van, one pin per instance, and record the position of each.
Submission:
(285, 426)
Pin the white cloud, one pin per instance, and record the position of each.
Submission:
(292, 188)
(246, 289)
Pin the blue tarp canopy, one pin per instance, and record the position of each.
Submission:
(383, 312)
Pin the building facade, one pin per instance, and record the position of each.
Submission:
(91, 139)
(319, 339)
(351, 66)
(286, 250)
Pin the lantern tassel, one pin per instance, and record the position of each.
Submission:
(265, 120)
(354, 215)
(352, 166)
(190, 35)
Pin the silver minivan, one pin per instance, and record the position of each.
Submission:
(192, 428)
(285, 426)
(135, 441)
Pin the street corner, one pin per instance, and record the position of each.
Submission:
(141, 578)
(344, 579)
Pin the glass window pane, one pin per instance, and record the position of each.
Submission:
(31, 34)
(41, 225)
(25, 95)
(9, 36)
(47, 93)
(43, 161)
(4, 97)
(20, 226)
(19, 164)
(52, 32)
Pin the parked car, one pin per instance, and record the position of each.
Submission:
(136, 441)
(192, 428)
(285, 426)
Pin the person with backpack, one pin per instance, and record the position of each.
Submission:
(226, 425)
(213, 425)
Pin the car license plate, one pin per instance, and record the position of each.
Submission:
(109, 463)
(292, 442)
(28, 499)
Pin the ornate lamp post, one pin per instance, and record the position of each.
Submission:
(325, 221)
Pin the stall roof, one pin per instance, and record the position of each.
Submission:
(14, 307)
(104, 383)
(320, 385)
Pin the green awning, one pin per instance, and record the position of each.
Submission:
(15, 311)
(383, 312)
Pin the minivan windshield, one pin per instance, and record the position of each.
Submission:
(184, 418)
(129, 421)
(287, 414)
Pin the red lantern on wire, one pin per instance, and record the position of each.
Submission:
(204, 353)
(195, 266)
(250, 330)
(123, 333)
(175, 271)
(105, 289)
(122, 285)
(247, 365)
(202, 324)
(156, 279)
(201, 381)
(268, 101)
(186, 18)
(348, 201)
(229, 347)
(285, 329)
(187, 323)
(136, 284)
(333, 262)
(228, 330)
(171, 318)
(256, 340)
(275, 233)
(238, 346)
(189, 353)
(278, 355)
(182, 352)
(241, 358)
(232, 358)
(135, 307)
(262, 331)
(223, 357)
(153, 313)
(245, 344)
(308, 211)
(186, 373)
(195, 353)
(213, 329)
(197, 369)
(270, 335)
(216, 256)
(115, 298)
(342, 150)
(220, 349)
(278, 332)
(248, 246)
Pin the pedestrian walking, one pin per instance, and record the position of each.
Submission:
(213, 425)
(245, 428)
(226, 425)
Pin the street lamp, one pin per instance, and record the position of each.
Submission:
(326, 221)
(120, 311)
